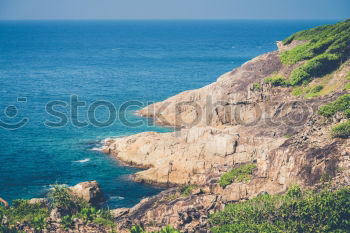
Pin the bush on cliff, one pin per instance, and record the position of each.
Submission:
(239, 174)
(341, 104)
(327, 47)
(35, 215)
(295, 211)
(341, 130)
(167, 229)
(276, 80)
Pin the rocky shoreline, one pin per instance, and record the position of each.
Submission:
(236, 120)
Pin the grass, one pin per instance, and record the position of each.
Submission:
(324, 52)
(341, 104)
(341, 130)
(239, 174)
(295, 211)
(347, 86)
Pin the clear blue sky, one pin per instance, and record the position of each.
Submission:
(174, 9)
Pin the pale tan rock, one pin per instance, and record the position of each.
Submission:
(89, 191)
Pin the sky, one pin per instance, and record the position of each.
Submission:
(173, 9)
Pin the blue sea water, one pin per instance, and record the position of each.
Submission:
(114, 61)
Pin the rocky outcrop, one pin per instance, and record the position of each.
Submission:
(90, 191)
(237, 119)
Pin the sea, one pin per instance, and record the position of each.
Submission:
(65, 86)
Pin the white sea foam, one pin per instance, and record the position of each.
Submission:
(116, 198)
(82, 161)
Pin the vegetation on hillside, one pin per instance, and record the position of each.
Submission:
(35, 215)
(341, 104)
(341, 130)
(239, 174)
(167, 229)
(295, 211)
(327, 47)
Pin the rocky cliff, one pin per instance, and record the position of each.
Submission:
(239, 119)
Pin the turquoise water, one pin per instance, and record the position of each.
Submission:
(115, 61)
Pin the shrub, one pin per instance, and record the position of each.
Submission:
(347, 86)
(316, 67)
(341, 104)
(276, 80)
(326, 48)
(60, 197)
(297, 91)
(256, 87)
(297, 54)
(341, 130)
(316, 89)
(295, 211)
(167, 229)
(240, 174)
(22, 211)
(187, 190)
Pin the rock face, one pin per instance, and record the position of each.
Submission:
(90, 191)
(237, 119)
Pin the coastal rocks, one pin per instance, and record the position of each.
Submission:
(221, 126)
(188, 213)
(89, 191)
(187, 156)
(227, 101)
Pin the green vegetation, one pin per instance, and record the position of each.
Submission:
(59, 197)
(239, 174)
(316, 67)
(276, 80)
(316, 89)
(295, 211)
(297, 91)
(139, 229)
(347, 86)
(341, 104)
(324, 52)
(257, 87)
(341, 130)
(35, 215)
(187, 190)
(22, 211)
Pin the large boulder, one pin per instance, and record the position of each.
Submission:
(90, 191)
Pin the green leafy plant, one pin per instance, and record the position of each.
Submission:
(67, 222)
(341, 104)
(239, 174)
(60, 197)
(347, 86)
(341, 130)
(276, 80)
(295, 211)
(22, 211)
(257, 87)
(167, 229)
(187, 190)
(324, 52)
